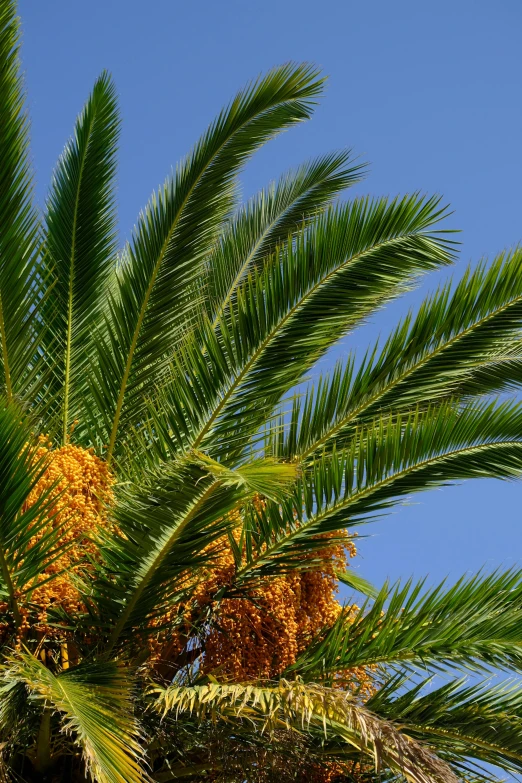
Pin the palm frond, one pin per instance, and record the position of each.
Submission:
(465, 724)
(347, 263)
(464, 342)
(20, 281)
(80, 246)
(271, 218)
(309, 709)
(95, 703)
(167, 532)
(161, 269)
(356, 582)
(473, 625)
(388, 460)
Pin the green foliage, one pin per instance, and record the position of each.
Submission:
(185, 361)
(19, 238)
(95, 703)
(472, 625)
(80, 247)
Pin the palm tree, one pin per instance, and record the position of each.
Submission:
(178, 500)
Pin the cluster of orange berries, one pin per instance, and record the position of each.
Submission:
(259, 635)
(253, 637)
(79, 486)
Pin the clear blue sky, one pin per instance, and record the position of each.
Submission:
(429, 93)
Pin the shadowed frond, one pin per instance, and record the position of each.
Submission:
(94, 701)
(80, 249)
(308, 708)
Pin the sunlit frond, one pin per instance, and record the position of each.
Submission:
(473, 624)
(299, 707)
(390, 459)
(462, 343)
(94, 701)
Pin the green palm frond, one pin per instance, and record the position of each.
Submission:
(465, 724)
(167, 532)
(159, 274)
(473, 625)
(271, 218)
(80, 247)
(347, 263)
(20, 283)
(356, 582)
(95, 703)
(464, 342)
(392, 458)
(307, 708)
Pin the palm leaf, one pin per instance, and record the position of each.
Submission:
(307, 708)
(20, 283)
(464, 342)
(473, 624)
(271, 218)
(80, 245)
(385, 462)
(161, 268)
(95, 703)
(464, 724)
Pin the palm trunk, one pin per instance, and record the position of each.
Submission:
(42, 760)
